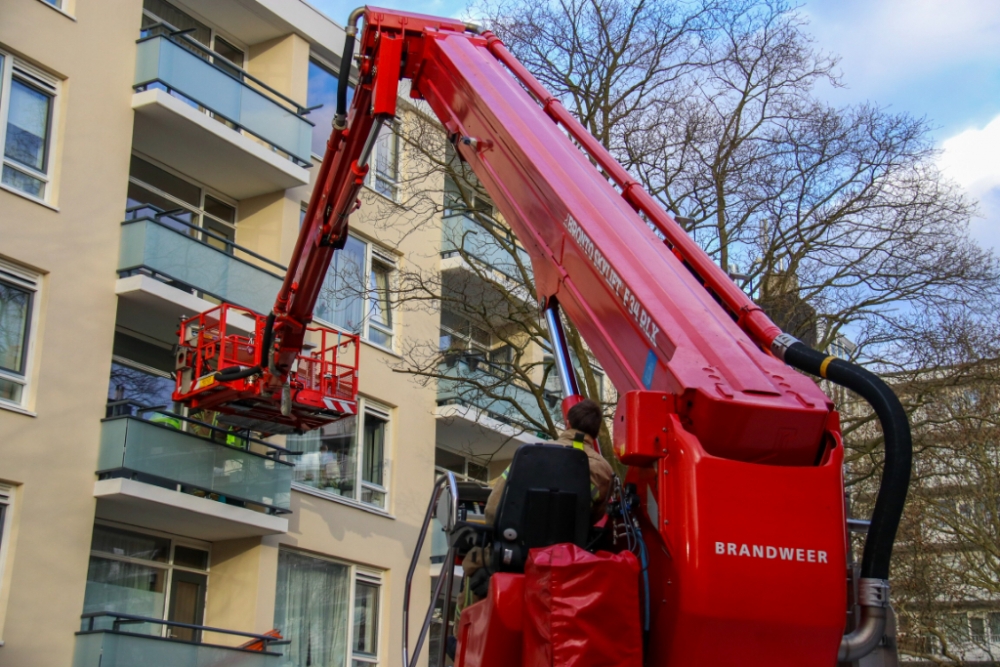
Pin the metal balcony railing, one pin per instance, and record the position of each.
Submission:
(172, 251)
(106, 641)
(204, 460)
(182, 66)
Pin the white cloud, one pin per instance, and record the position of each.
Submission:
(970, 159)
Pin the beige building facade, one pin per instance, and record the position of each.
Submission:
(157, 156)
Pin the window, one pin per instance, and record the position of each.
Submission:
(313, 610)
(159, 11)
(465, 467)
(18, 303)
(134, 388)
(356, 292)
(147, 575)
(460, 338)
(27, 105)
(323, 91)
(384, 175)
(155, 12)
(207, 216)
(332, 462)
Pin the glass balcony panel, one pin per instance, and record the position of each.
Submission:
(460, 391)
(108, 649)
(143, 447)
(160, 60)
(153, 245)
(462, 232)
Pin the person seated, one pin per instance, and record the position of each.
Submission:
(584, 421)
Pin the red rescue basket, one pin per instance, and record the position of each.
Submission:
(322, 385)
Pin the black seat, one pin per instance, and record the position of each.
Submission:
(546, 501)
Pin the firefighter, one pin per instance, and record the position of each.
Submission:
(584, 424)
(584, 420)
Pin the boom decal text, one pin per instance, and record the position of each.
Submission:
(614, 281)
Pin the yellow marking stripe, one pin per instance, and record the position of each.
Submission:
(823, 366)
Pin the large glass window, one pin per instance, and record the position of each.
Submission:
(356, 293)
(146, 575)
(332, 462)
(313, 610)
(193, 209)
(26, 135)
(323, 91)
(18, 289)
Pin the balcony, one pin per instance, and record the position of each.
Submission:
(107, 642)
(472, 422)
(213, 121)
(166, 264)
(213, 486)
(466, 240)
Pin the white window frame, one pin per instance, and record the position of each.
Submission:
(378, 255)
(31, 281)
(368, 407)
(356, 574)
(30, 75)
(365, 406)
(374, 255)
(371, 179)
(371, 577)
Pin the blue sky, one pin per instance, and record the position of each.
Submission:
(938, 59)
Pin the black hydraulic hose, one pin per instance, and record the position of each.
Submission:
(898, 446)
(344, 80)
(266, 340)
(236, 373)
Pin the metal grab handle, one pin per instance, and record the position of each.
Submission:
(449, 559)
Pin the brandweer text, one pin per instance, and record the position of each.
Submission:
(770, 553)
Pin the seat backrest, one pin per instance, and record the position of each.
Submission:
(545, 501)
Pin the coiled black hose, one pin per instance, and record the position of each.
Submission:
(898, 447)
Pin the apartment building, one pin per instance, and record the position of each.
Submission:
(157, 155)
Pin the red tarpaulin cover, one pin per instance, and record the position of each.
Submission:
(582, 609)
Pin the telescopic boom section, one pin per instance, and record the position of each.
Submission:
(657, 312)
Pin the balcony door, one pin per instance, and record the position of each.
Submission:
(187, 604)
